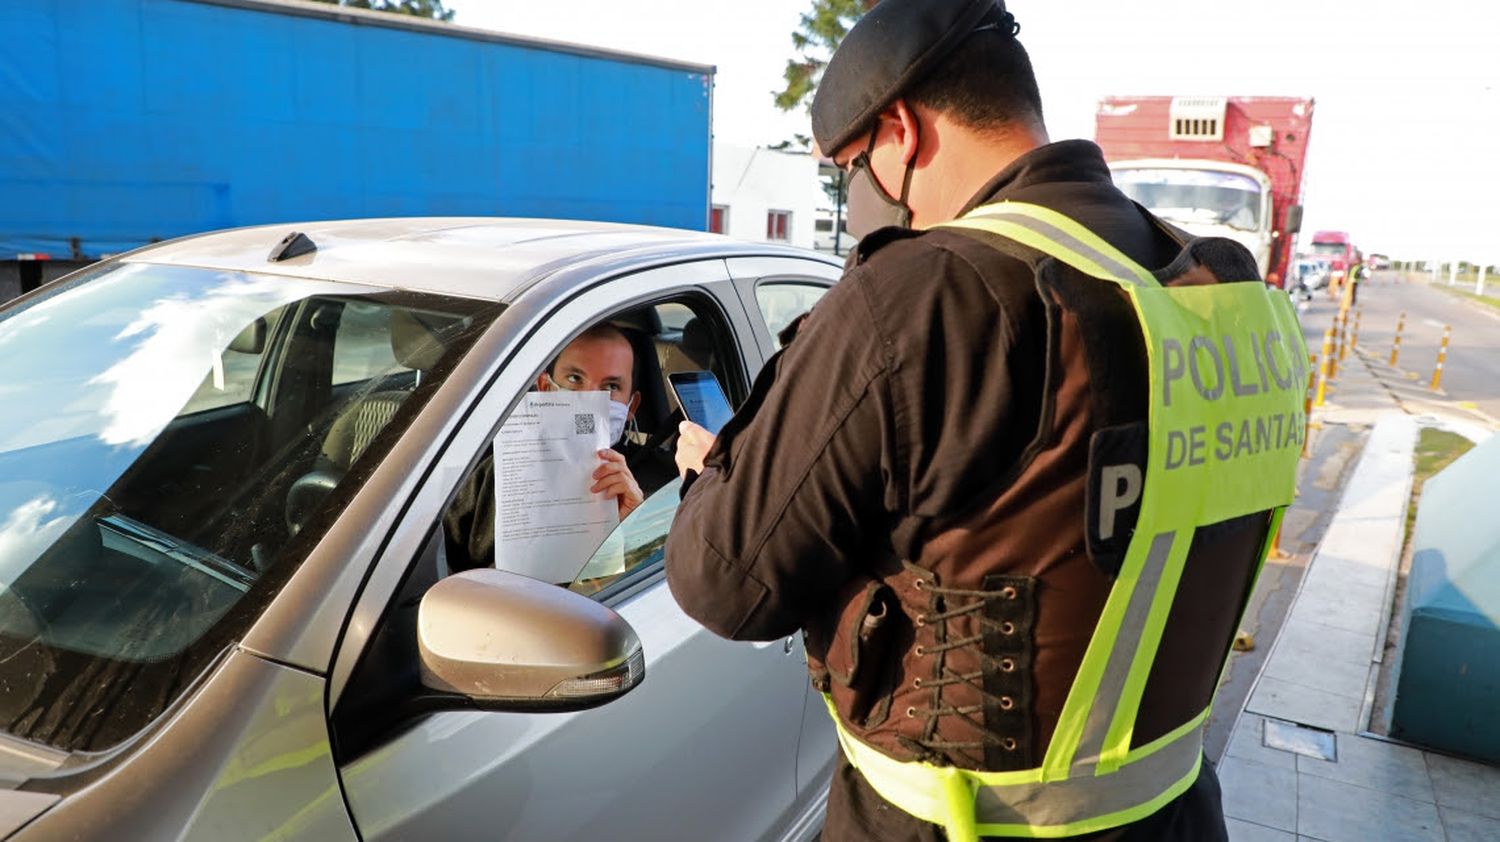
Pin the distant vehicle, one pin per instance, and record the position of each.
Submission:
(824, 239)
(1215, 166)
(1311, 273)
(1378, 261)
(1338, 249)
(145, 120)
(227, 601)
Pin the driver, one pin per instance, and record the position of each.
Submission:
(602, 358)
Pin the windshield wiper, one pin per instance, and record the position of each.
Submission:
(189, 555)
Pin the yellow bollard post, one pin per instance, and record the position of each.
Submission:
(1333, 358)
(1307, 405)
(1396, 346)
(1354, 337)
(1437, 373)
(1346, 303)
(1276, 551)
(1323, 366)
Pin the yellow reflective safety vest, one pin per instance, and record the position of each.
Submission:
(1223, 358)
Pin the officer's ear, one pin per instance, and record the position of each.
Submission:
(907, 125)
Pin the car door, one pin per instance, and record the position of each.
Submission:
(776, 291)
(704, 748)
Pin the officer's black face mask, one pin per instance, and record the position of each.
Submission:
(870, 207)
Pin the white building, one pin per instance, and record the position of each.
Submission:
(765, 195)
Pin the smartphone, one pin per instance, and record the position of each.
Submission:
(702, 399)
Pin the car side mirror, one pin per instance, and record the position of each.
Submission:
(1294, 219)
(509, 642)
(251, 340)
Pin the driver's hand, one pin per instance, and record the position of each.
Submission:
(613, 478)
(693, 443)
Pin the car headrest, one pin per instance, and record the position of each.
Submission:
(415, 340)
(697, 339)
(647, 377)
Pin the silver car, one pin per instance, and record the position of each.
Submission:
(228, 599)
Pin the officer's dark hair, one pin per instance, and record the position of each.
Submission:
(986, 83)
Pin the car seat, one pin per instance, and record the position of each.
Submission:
(695, 352)
(416, 344)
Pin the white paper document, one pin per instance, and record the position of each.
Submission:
(547, 522)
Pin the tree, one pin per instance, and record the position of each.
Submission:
(821, 31)
(416, 8)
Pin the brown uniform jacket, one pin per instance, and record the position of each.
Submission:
(903, 406)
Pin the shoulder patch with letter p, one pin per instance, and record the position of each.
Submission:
(1117, 477)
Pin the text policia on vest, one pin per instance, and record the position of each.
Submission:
(1214, 368)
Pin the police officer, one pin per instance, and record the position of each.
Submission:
(1017, 543)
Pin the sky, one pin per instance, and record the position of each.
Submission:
(1405, 149)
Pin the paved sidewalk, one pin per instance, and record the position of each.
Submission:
(1315, 693)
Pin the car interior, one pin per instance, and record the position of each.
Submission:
(679, 335)
(198, 523)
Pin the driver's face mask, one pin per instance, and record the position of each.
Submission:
(869, 206)
(619, 413)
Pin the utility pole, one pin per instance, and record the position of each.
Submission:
(838, 217)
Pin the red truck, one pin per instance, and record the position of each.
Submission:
(1337, 250)
(1214, 166)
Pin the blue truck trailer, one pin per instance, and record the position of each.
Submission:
(124, 122)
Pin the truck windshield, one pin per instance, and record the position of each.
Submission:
(1337, 249)
(173, 441)
(1189, 196)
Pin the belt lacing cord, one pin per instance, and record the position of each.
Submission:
(930, 746)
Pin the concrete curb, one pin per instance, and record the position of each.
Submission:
(1364, 537)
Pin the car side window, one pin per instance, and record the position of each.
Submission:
(783, 301)
(685, 333)
(642, 543)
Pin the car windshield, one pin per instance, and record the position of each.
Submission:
(1195, 196)
(172, 442)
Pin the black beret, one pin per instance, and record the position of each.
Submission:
(889, 49)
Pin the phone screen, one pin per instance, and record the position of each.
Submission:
(702, 399)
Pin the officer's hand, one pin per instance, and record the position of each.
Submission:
(614, 479)
(693, 443)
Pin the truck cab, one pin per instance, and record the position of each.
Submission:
(1205, 198)
(1338, 249)
(1218, 166)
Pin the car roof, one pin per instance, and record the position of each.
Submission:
(478, 257)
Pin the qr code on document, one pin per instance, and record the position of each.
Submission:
(583, 423)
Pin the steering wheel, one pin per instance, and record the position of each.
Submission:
(306, 495)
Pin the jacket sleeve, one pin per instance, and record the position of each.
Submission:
(778, 521)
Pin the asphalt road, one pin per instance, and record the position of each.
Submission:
(1471, 374)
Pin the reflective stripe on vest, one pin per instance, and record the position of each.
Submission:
(1227, 365)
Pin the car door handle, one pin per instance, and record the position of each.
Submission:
(787, 646)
